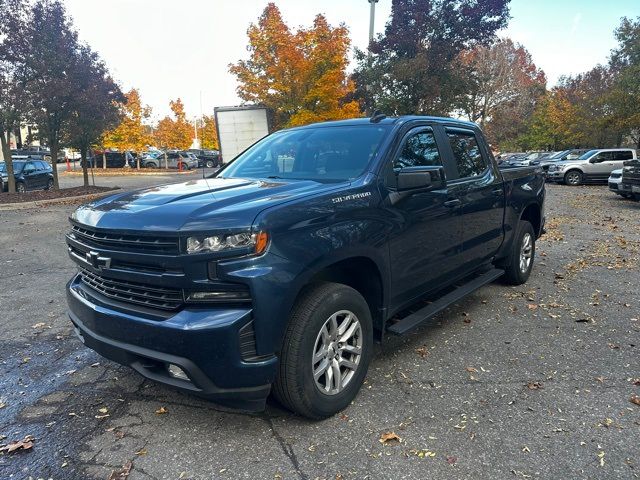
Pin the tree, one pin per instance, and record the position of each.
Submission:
(625, 92)
(412, 67)
(131, 133)
(51, 58)
(500, 78)
(300, 76)
(96, 105)
(13, 77)
(209, 133)
(175, 132)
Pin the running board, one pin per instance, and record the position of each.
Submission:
(411, 321)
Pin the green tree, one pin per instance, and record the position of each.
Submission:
(96, 105)
(412, 68)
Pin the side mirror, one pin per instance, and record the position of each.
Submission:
(421, 178)
(593, 160)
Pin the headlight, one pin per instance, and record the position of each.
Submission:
(218, 243)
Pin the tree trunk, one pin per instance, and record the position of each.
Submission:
(83, 162)
(6, 152)
(53, 146)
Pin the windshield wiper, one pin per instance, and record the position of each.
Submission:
(273, 176)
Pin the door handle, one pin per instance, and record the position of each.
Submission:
(453, 203)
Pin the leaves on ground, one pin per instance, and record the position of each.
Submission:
(123, 473)
(161, 411)
(389, 437)
(635, 399)
(535, 385)
(18, 445)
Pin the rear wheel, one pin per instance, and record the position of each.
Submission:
(522, 254)
(20, 187)
(326, 351)
(573, 177)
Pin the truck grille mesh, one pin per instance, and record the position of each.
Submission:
(132, 292)
(163, 245)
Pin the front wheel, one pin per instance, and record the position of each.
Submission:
(326, 351)
(49, 184)
(573, 177)
(523, 252)
(210, 164)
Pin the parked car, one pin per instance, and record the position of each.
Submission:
(29, 175)
(173, 160)
(616, 185)
(113, 160)
(592, 167)
(207, 158)
(570, 154)
(631, 176)
(278, 272)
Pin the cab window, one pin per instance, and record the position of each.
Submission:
(467, 154)
(419, 150)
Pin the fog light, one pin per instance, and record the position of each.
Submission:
(239, 295)
(176, 372)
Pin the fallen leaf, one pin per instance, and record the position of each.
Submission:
(635, 399)
(471, 370)
(607, 422)
(389, 437)
(422, 351)
(601, 457)
(534, 385)
(141, 452)
(532, 306)
(103, 410)
(451, 460)
(39, 325)
(161, 411)
(636, 381)
(123, 473)
(19, 445)
(2, 404)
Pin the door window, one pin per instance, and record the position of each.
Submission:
(604, 157)
(466, 152)
(29, 168)
(622, 155)
(419, 150)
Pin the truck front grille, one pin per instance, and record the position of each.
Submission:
(137, 243)
(132, 292)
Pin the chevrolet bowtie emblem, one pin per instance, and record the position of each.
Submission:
(96, 261)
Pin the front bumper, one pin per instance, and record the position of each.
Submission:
(556, 176)
(203, 342)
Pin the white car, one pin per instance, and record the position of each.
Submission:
(616, 185)
(594, 166)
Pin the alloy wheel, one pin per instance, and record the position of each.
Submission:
(337, 352)
(526, 252)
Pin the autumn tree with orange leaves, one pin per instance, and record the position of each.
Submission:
(132, 133)
(301, 76)
(174, 132)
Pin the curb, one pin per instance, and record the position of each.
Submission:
(54, 201)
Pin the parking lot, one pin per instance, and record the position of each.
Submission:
(526, 382)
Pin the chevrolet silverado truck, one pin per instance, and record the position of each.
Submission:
(279, 272)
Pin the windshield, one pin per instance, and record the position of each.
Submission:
(558, 155)
(324, 154)
(17, 167)
(584, 156)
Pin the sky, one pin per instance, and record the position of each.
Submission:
(169, 48)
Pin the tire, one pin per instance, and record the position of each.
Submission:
(20, 187)
(518, 270)
(49, 184)
(295, 386)
(210, 164)
(573, 178)
(150, 165)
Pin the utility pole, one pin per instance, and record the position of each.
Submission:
(372, 18)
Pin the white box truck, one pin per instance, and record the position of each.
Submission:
(239, 128)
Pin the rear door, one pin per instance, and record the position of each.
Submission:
(425, 243)
(30, 174)
(481, 190)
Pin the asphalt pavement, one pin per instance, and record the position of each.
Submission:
(512, 382)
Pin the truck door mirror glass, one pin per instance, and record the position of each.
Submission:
(420, 178)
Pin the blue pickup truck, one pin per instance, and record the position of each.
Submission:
(279, 272)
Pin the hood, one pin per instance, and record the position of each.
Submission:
(194, 206)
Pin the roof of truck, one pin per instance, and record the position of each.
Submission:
(391, 121)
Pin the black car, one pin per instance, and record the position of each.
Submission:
(113, 160)
(207, 158)
(29, 175)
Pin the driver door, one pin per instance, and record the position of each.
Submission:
(30, 175)
(425, 244)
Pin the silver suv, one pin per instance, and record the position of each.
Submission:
(594, 166)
